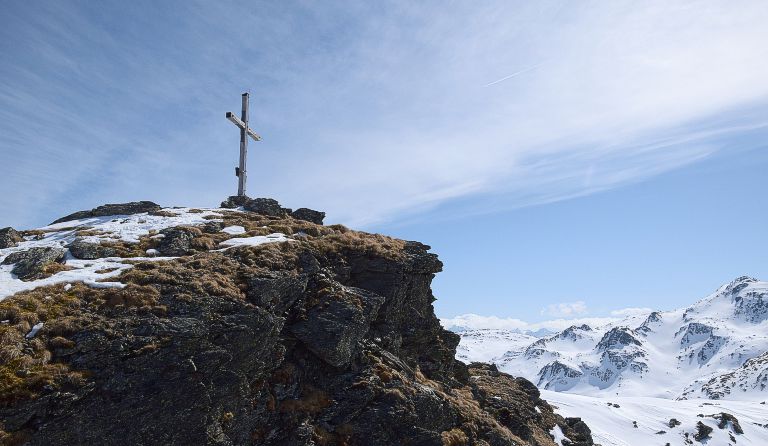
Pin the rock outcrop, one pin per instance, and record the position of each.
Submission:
(309, 215)
(9, 237)
(85, 250)
(270, 207)
(31, 264)
(326, 339)
(135, 207)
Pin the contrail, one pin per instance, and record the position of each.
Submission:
(516, 73)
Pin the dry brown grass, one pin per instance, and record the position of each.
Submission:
(86, 232)
(17, 438)
(132, 295)
(454, 437)
(25, 368)
(370, 244)
(54, 268)
(162, 213)
(210, 274)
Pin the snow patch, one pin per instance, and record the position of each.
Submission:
(126, 228)
(234, 230)
(559, 436)
(254, 241)
(34, 330)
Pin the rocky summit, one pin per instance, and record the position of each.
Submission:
(245, 325)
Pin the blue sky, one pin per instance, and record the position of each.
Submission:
(565, 159)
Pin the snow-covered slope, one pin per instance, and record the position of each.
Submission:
(627, 379)
(715, 349)
(478, 345)
(641, 421)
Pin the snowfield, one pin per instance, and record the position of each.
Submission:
(613, 426)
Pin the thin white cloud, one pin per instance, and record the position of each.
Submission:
(515, 74)
(632, 311)
(476, 321)
(565, 309)
(372, 116)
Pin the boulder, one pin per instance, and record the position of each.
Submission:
(212, 227)
(724, 418)
(86, 250)
(580, 434)
(234, 201)
(134, 207)
(266, 206)
(309, 215)
(176, 241)
(29, 264)
(9, 238)
(702, 431)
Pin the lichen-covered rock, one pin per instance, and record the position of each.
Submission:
(309, 215)
(30, 264)
(212, 227)
(134, 207)
(581, 434)
(337, 321)
(9, 237)
(266, 206)
(86, 250)
(177, 241)
(234, 201)
(277, 291)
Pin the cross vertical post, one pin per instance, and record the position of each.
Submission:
(245, 133)
(243, 148)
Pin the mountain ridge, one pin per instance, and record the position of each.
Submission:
(712, 337)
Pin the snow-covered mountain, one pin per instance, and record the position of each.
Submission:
(628, 378)
(714, 349)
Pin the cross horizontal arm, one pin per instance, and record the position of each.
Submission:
(235, 120)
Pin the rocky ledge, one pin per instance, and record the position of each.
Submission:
(323, 336)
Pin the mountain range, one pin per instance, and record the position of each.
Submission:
(715, 349)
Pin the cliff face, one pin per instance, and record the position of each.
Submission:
(326, 338)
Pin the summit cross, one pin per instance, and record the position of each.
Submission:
(245, 132)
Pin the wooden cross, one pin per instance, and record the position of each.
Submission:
(245, 132)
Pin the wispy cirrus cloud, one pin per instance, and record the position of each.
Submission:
(370, 113)
(565, 309)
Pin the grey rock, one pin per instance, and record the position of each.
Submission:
(725, 418)
(29, 264)
(85, 250)
(212, 227)
(276, 292)
(234, 201)
(702, 431)
(334, 327)
(177, 241)
(309, 215)
(134, 207)
(581, 434)
(266, 206)
(9, 238)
